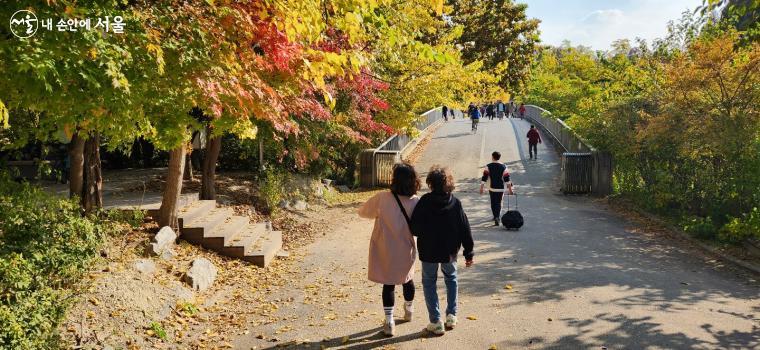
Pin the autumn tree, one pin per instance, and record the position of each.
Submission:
(500, 35)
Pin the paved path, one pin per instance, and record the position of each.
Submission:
(582, 277)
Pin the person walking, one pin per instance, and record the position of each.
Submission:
(444, 113)
(392, 250)
(522, 111)
(500, 109)
(534, 138)
(442, 228)
(452, 114)
(512, 109)
(474, 114)
(496, 176)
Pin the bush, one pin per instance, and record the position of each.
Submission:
(271, 187)
(46, 246)
(740, 229)
(700, 227)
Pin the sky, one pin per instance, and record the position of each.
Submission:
(597, 23)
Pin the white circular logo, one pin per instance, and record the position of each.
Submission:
(24, 24)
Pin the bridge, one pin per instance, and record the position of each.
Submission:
(578, 275)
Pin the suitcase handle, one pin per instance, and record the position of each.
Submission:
(508, 195)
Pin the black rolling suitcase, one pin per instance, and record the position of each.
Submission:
(512, 219)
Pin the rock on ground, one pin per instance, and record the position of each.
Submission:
(201, 275)
(145, 266)
(163, 243)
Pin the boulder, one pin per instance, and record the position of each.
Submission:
(145, 266)
(162, 242)
(283, 204)
(201, 275)
(343, 188)
(300, 205)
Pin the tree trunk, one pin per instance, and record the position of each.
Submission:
(188, 168)
(92, 187)
(213, 147)
(76, 159)
(167, 214)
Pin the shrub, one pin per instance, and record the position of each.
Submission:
(700, 227)
(739, 229)
(271, 186)
(45, 248)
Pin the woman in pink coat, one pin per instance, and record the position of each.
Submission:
(392, 249)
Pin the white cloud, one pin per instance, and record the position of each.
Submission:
(598, 28)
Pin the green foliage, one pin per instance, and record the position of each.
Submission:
(739, 229)
(158, 330)
(271, 187)
(499, 34)
(45, 248)
(133, 217)
(681, 121)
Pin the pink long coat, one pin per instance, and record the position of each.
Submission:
(392, 249)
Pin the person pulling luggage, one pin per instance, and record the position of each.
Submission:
(497, 177)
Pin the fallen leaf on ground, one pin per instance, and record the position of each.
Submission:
(472, 318)
(509, 286)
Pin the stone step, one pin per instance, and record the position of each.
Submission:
(194, 231)
(194, 211)
(246, 238)
(225, 233)
(265, 249)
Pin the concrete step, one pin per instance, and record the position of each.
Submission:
(265, 249)
(225, 233)
(194, 231)
(248, 237)
(194, 211)
(186, 201)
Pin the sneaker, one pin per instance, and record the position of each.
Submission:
(436, 328)
(408, 313)
(389, 329)
(451, 321)
(496, 222)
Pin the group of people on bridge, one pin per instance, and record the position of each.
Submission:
(439, 223)
(497, 109)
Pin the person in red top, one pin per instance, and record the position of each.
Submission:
(522, 111)
(533, 140)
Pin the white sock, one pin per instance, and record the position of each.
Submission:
(388, 310)
(409, 305)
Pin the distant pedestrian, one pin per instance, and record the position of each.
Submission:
(490, 111)
(474, 113)
(500, 108)
(442, 228)
(392, 250)
(445, 113)
(452, 114)
(512, 109)
(496, 176)
(522, 111)
(534, 138)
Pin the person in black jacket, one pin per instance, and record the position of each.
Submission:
(442, 228)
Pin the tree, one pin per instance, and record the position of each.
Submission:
(500, 35)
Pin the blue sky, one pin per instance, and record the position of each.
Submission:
(597, 23)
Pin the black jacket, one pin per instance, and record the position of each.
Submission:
(441, 227)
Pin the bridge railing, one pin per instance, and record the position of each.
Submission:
(584, 169)
(376, 164)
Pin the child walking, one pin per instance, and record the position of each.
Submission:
(392, 249)
(442, 228)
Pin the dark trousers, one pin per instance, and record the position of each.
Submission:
(389, 291)
(533, 150)
(496, 199)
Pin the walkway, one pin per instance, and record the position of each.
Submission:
(581, 276)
